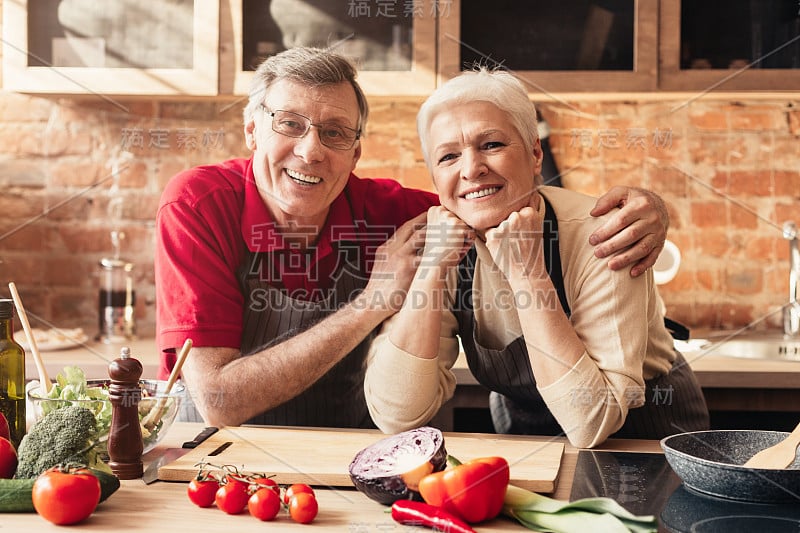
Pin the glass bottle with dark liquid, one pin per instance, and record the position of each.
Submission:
(116, 301)
(12, 374)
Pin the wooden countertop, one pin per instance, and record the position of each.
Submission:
(164, 505)
(713, 371)
(738, 372)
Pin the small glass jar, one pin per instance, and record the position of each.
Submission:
(116, 301)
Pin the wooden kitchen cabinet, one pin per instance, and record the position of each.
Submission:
(392, 42)
(572, 46)
(735, 46)
(402, 47)
(627, 45)
(132, 47)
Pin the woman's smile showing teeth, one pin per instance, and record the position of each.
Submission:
(480, 193)
(303, 178)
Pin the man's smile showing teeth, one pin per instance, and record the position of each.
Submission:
(302, 178)
(481, 193)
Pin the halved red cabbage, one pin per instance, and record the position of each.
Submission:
(390, 469)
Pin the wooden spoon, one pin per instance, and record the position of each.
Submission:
(154, 416)
(44, 379)
(779, 456)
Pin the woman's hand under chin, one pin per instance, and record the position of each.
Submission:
(447, 238)
(516, 243)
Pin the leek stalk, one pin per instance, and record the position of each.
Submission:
(599, 515)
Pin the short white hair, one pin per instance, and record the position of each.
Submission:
(497, 87)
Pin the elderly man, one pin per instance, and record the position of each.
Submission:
(281, 266)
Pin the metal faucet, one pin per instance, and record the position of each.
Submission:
(791, 313)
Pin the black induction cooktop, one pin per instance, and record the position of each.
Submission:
(645, 484)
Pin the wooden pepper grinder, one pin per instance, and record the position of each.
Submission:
(125, 443)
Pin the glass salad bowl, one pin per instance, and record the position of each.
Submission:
(93, 395)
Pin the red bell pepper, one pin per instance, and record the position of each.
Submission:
(472, 491)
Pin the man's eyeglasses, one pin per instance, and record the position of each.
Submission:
(294, 125)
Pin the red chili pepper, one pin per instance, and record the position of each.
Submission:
(411, 513)
(472, 491)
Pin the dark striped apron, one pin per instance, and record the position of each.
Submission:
(674, 401)
(270, 316)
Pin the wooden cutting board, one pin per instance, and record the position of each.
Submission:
(322, 456)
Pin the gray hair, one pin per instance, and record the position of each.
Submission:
(497, 87)
(311, 66)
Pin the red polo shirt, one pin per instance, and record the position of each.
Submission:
(208, 219)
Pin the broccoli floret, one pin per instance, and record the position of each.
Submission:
(65, 435)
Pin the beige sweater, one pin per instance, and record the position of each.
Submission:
(618, 318)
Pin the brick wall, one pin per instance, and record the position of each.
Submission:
(729, 171)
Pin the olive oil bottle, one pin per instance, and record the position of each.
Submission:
(12, 374)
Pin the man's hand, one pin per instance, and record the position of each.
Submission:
(635, 234)
(396, 262)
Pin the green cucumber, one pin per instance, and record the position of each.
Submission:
(15, 494)
(109, 483)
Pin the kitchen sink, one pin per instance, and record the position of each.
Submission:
(771, 345)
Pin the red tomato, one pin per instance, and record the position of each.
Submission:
(264, 504)
(232, 497)
(266, 482)
(235, 479)
(297, 488)
(8, 458)
(65, 496)
(202, 492)
(5, 432)
(303, 507)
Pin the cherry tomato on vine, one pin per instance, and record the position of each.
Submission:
(264, 504)
(65, 495)
(202, 491)
(232, 497)
(297, 488)
(266, 482)
(232, 479)
(303, 507)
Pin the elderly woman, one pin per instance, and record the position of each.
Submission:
(566, 345)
